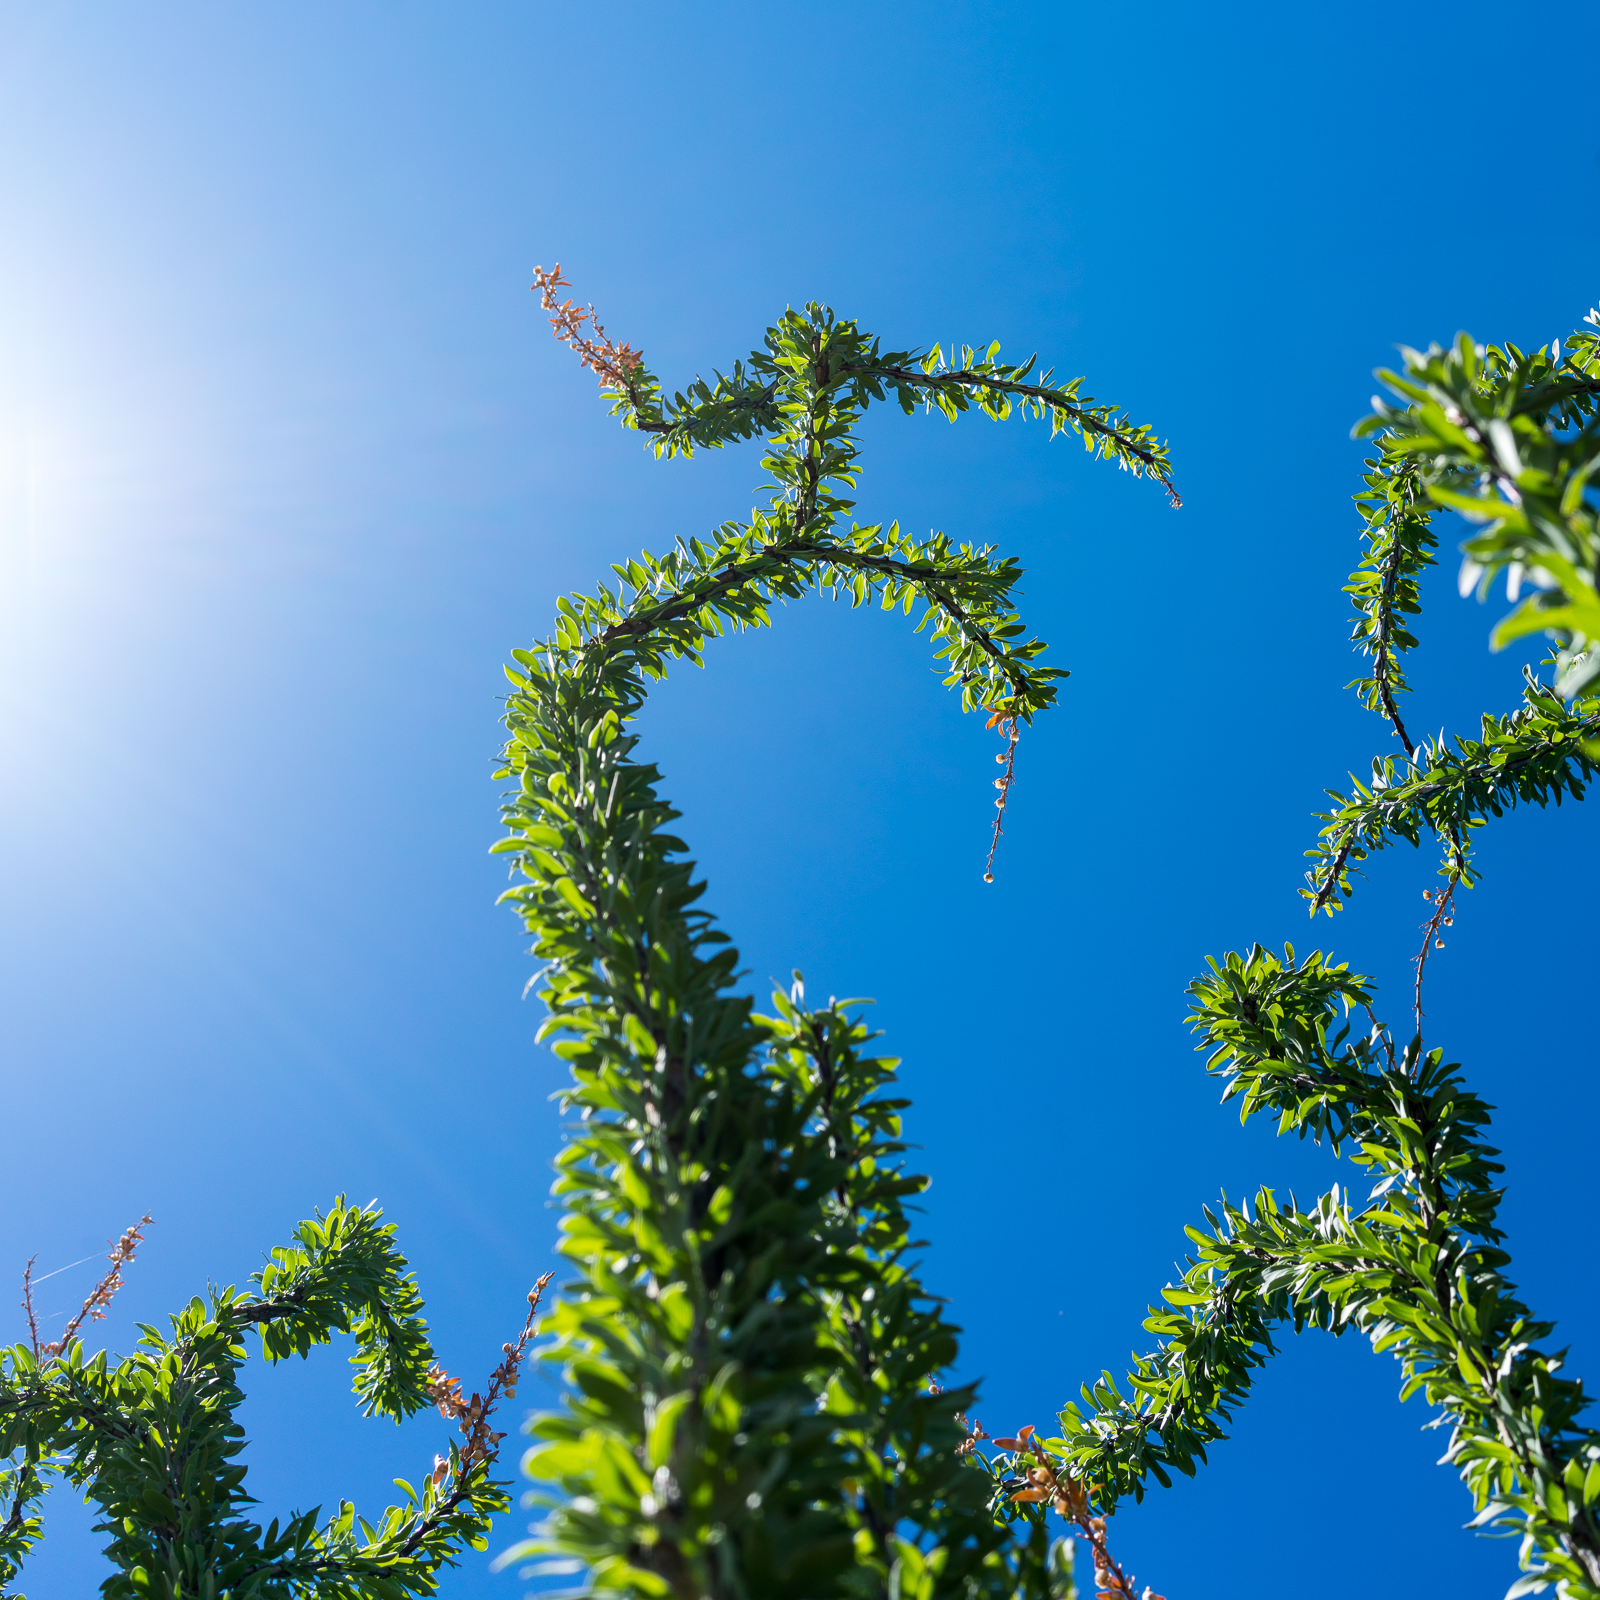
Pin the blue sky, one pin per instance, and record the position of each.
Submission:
(288, 462)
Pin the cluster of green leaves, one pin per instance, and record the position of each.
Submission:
(1418, 1270)
(151, 1439)
(667, 607)
(1398, 545)
(1543, 750)
(764, 394)
(344, 1275)
(748, 1352)
(1511, 441)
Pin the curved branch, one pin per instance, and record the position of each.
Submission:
(733, 1208)
(1130, 439)
(1536, 755)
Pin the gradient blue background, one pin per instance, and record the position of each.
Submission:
(290, 461)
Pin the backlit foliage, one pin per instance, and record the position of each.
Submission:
(752, 1363)
(151, 1440)
(750, 1355)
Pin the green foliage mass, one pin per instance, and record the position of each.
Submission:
(151, 1438)
(1417, 1268)
(750, 1356)
(1510, 441)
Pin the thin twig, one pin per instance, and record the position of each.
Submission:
(1013, 730)
(27, 1305)
(1441, 918)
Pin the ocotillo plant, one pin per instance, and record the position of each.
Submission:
(1511, 441)
(751, 1359)
(151, 1438)
(748, 1349)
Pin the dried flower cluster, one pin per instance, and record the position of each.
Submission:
(613, 364)
(472, 1416)
(1040, 1482)
(94, 1306)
